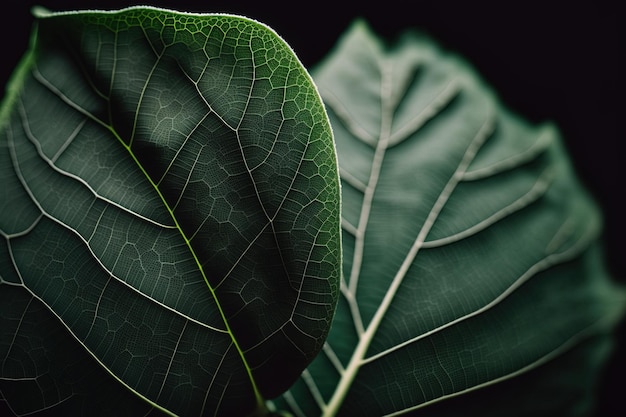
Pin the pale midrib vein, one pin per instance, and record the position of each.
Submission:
(569, 344)
(450, 90)
(366, 338)
(444, 97)
(547, 262)
(368, 198)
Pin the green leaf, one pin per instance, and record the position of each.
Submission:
(169, 214)
(470, 249)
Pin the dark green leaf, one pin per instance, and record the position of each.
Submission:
(470, 250)
(170, 217)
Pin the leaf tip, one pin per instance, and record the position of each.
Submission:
(361, 26)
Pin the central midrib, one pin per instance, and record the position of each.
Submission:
(366, 337)
(357, 360)
(260, 401)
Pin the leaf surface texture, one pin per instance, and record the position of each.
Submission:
(470, 249)
(169, 217)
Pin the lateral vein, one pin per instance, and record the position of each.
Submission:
(366, 338)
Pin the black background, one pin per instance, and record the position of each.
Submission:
(549, 61)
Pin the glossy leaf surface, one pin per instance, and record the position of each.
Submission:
(470, 258)
(169, 215)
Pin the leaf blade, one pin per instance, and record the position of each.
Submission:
(474, 213)
(188, 206)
